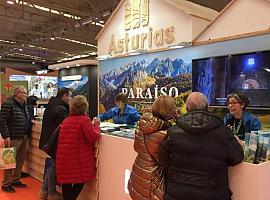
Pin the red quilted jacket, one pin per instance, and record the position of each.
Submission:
(75, 154)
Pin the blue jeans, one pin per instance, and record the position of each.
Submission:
(49, 183)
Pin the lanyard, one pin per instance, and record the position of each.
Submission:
(236, 129)
(120, 118)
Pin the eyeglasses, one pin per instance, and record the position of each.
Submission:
(22, 92)
(232, 103)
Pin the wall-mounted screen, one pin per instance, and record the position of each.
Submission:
(40, 86)
(248, 73)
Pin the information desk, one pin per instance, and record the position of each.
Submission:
(250, 181)
(115, 157)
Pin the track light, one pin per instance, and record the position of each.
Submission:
(11, 2)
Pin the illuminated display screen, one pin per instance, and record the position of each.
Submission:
(248, 73)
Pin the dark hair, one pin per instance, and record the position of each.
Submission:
(49, 84)
(32, 100)
(121, 97)
(63, 91)
(241, 97)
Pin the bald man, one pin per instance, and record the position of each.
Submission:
(197, 153)
(14, 128)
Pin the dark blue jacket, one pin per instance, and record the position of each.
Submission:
(53, 116)
(250, 123)
(130, 115)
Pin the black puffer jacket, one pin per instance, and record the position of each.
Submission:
(14, 119)
(53, 116)
(197, 153)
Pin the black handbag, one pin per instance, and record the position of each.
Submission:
(51, 147)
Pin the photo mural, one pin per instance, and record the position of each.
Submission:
(79, 87)
(145, 77)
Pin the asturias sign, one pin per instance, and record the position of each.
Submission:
(137, 16)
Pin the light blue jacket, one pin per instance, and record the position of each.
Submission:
(130, 115)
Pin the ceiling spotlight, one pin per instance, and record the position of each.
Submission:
(52, 38)
(78, 65)
(33, 63)
(20, 49)
(10, 2)
(68, 66)
(43, 60)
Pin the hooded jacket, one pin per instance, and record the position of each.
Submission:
(197, 153)
(145, 180)
(53, 116)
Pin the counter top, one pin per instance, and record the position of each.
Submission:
(120, 130)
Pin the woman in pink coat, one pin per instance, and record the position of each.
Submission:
(75, 162)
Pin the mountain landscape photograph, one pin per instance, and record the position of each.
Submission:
(144, 80)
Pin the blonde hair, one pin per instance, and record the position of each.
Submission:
(164, 107)
(78, 105)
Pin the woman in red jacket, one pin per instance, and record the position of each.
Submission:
(75, 163)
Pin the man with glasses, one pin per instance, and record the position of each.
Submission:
(239, 120)
(14, 128)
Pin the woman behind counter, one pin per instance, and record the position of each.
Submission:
(239, 120)
(122, 113)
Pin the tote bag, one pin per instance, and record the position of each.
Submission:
(8, 158)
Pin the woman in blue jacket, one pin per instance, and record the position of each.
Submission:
(122, 113)
(239, 120)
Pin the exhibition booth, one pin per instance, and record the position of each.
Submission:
(216, 58)
(171, 47)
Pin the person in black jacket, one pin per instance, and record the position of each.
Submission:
(32, 103)
(54, 114)
(197, 153)
(14, 128)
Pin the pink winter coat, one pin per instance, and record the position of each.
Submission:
(75, 153)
